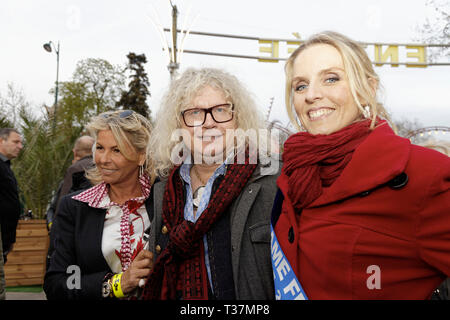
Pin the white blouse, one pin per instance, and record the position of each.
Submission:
(97, 197)
(112, 238)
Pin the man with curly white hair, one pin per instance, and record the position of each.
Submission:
(211, 227)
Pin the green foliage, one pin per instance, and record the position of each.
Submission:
(95, 87)
(5, 123)
(102, 81)
(77, 104)
(136, 96)
(41, 165)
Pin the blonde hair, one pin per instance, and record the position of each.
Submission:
(181, 93)
(132, 134)
(441, 146)
(358, 67)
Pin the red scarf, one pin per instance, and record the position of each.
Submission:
(181, 265)
(315, 161)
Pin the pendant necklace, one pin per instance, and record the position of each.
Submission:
(197, 196)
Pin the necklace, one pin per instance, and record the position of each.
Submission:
(198, 176)
(197, 196)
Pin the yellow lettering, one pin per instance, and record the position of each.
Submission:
(292, 43)
(391, 52)
(419, 54)
(273, 49)
(384, 53)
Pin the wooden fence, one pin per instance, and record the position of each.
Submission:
(26, 263)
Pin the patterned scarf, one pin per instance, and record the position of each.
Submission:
(94, 197)
(315, 161)
(125, 253)
(181, 265)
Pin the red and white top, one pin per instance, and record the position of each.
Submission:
(124, 226)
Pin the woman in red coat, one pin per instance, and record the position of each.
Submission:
(362, 213)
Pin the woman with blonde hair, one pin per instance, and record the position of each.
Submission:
(100, 231)
(356, 217)
(211, 231)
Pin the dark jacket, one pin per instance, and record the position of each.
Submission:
(78, 242)
(73, 174)
(74, 180)
(9, 204)
(250, 235)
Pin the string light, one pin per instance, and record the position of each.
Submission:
(436, 130)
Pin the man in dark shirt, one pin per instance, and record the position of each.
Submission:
(10, 146)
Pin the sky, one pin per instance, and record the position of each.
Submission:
(111, 29)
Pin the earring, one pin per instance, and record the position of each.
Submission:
(141, 171)
(366, 112)
(302, 128)
(300, 125)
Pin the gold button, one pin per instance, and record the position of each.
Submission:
(164, 230)
(158, 248)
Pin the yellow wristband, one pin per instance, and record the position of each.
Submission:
(116, 285)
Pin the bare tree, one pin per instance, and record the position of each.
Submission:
(436, 29)
(405, 126)
(11, 103)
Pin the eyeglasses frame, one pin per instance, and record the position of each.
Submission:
(209, 111)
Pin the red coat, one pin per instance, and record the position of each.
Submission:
(384, 244)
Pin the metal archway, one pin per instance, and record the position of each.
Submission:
(429, 130)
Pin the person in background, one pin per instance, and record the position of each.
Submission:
(365, 212)
(74, 178)
(82, 154)
(101, 230)
(10, 146)
(2, 272)
(211, 230)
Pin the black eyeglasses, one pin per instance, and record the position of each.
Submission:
(123, 114)
(196, 117)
